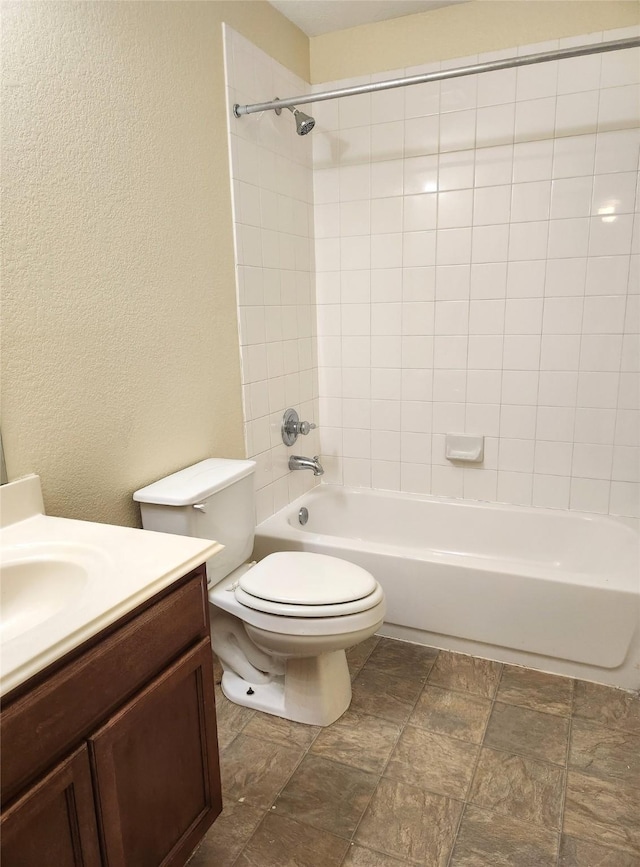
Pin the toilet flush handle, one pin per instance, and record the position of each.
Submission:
(201, 507)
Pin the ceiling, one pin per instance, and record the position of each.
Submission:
(315, 17)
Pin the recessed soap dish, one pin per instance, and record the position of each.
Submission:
(464, 447)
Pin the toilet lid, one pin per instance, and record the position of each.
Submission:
(302, 578)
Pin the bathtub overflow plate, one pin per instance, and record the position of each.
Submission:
(303, 515)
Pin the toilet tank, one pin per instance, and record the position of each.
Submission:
(213, 499)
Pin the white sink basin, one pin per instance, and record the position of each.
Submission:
(38, 582)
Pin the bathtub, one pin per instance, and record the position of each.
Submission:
(556, 591)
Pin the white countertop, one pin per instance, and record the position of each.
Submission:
(125, 567)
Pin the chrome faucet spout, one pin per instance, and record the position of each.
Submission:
(297, 462)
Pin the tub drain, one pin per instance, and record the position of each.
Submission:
(303, 515)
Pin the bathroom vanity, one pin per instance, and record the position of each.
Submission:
(109, 748)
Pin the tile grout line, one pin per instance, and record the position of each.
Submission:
(566, 775)
(392, 750)
(475, 767)
(270, 809)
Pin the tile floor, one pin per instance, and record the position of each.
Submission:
(442, 760)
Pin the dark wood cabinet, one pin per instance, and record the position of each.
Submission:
(111, 758)
(54, 822)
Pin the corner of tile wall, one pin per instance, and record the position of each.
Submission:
(446, 258)
(477, 271)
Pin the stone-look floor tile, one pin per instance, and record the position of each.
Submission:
(604, 752)
(327, 795)
(459, 715)
(401, 659)
(465, 674)
(282, 842)
(217, 670)
(226, 837)
(410, 824)
(379, 694)
(231, 718)
(358, 856)
(604, 811)
(256, 770)
(358, 739)
(581, 853)
(491, 840)
(611, 707)
(281, 731)
(528, 733)
(358, 655)
(518, 787)
(433, 762)
(536, 690)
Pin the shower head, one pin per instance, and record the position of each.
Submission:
(304, 123)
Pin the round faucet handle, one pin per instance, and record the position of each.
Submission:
(304, 427)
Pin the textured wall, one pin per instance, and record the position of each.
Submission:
(455, 31)
(120, 357)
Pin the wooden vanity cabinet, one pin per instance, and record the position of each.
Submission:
(111, 757)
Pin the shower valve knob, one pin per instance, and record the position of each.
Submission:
(292, 427)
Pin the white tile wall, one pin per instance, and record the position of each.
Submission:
(272, 194)
(477, 246)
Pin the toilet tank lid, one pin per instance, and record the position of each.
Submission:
(195, 483)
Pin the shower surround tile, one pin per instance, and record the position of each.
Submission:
(434, 785)
(272, 198)
(527, 188)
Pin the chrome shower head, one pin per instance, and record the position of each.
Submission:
(304, 123)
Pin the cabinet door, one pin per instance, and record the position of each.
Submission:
(156, 771)
(54, 821)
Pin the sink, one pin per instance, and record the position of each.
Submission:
(38, 582)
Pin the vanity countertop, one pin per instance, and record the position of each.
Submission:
(79, 578)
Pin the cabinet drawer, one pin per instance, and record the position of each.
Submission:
(47, 722)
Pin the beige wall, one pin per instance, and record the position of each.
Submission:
(120, 357)
(457, 31)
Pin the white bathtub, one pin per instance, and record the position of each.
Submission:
(557, 591)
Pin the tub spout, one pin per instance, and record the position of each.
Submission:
(296, 462)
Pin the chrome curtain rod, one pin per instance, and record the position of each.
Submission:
(491, 66)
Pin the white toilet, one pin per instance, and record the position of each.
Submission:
(279, 627)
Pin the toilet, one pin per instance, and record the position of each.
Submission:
(280, 627)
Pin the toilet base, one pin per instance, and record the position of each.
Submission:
(314, 690)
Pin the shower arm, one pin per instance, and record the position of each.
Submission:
(459, 72)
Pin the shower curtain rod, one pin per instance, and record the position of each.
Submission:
(491, 66)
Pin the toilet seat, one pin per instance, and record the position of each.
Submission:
(302, 584)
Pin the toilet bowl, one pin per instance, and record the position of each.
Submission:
(280, 627)
(288, 657)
